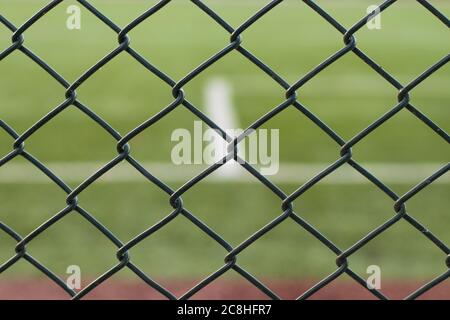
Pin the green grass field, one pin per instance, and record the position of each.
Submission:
(291, 39)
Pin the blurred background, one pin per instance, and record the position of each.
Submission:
(292, 39)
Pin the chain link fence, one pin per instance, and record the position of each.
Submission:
(287, 213)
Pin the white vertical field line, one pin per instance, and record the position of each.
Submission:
(219, 107)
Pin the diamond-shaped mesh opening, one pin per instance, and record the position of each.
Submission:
(347, 196)
(431, 96)
(93, 253)
(424, 208)
(176, 250)
(62, 43)
(300, 134)
(195, 43)
(43, 197)
(354, 95)
(145, 204)
(390, 155)
(293, 56)
(23, 76)
(133, 101)
(71, 145)
(415, 32)
(397, 262)
(272, 257)
(207, 202)
(24, 281)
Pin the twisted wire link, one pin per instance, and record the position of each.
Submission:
(292, 99)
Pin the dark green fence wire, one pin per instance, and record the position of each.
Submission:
(287, 212)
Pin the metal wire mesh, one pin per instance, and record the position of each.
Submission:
(287, 212)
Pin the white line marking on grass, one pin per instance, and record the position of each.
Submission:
(219, 107)
(337, 85)
(390, 173)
